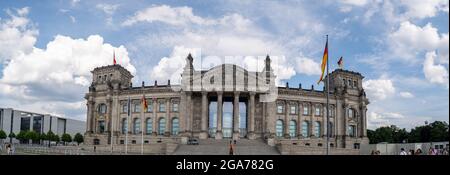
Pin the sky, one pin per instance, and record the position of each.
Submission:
(401, 47)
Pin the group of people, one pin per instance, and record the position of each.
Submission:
(419, 151)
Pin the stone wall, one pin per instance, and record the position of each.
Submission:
(286, 149)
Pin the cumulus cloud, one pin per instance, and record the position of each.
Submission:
(17, 34)
(406, 95)
(424, 9)
(166, 14)
(435, 73)
(409, 40)
(231, 38)
(52, 79)
(308, 66)
(379, 89)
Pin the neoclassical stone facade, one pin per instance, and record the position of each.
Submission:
(225, 102)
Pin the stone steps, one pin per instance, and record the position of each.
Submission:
(221, 147)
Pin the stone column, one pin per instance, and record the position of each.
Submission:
(168, 121)
(346, 108)
(286, 120)
(311, 112)
(90, 116)
(155, 117)
(299, 120)
(363, 121)
(189, 113)
(219, 115)
(236, 116)
(109, 114)
(251, 119)
(204, 123)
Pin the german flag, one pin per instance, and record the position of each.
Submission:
(324, 61)
(144, 103)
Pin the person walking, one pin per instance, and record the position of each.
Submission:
(231, 148)
(403, 152)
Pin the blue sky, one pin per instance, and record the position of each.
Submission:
(401, 47)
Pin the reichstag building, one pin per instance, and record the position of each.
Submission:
(225, 102)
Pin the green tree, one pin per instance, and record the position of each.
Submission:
(21, 136)
(11, 136)
(56, 138)
(66, 138)
(2, 135)
(78, 138)
(439, 131)
(31, 135)
(43, 137)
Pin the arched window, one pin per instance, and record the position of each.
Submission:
(352, 131)
(101, 126)
(279, 128)
(162, 126)
(137, 126)
(317, 129)
(149, 126)
(175, 126)
(292, 128)
(124, 126)
(305, 129)
(102, 108)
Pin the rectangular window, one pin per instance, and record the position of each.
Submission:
(294, 109)
(25, 124)
(317, 110)
(280, 108)
(37, 124)
(150, 105)
(162, 106)
(124, 107)
(175, 107)
(137, 107)
(305, 110)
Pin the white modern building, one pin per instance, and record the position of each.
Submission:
(12, 120)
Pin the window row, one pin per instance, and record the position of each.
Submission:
(307, 110)
(305, 128)
(149, 126)
(137, 107)
(350, 83)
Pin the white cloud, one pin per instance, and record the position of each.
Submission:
(72, 18)
(379, 119)
(434, 73)
(354, 2)
(424, 9)
(406, 95)
(166, 14)
(74, 2)
(410, 39)
(307, 66)
(109, 9)
(379, 89)
(17, 35)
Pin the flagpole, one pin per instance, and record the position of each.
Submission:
(111, 129)
(328, 105)
(128, 120)
(142, 120)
